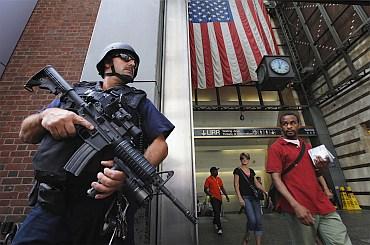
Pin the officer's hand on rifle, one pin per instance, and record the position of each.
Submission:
(61, 123)
(108, 182)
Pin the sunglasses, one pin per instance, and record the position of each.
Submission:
(125, 57)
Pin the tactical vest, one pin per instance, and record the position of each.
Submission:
(52, 154)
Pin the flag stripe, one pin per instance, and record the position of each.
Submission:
(194, 73)
(199, 57)
(249, 56)
(208, 66)
(252, 5)
(236, 76)
(247, 30)
(224, 61)
(240, 53)
(255, 27)
(267, 27)
(216, 59)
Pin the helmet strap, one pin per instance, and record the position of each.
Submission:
(124, 78)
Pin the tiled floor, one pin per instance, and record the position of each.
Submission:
(358, 225)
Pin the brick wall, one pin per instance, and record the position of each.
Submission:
(58, 33)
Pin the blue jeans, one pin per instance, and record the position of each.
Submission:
(254, 215)
(44, 228)
(41, 228)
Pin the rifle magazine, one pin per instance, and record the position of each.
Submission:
(79, 159)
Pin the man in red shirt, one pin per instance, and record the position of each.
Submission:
(303, 203)
(213, 187)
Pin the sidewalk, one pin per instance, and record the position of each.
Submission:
(358, 225)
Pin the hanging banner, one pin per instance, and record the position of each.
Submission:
(228, 39)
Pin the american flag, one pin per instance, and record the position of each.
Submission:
(228, 39)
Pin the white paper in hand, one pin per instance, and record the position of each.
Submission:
(322, 152)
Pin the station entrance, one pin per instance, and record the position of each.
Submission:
(235, 119)
(224, 154)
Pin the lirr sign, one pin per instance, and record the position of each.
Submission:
(246, 132)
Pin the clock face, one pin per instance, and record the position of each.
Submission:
(280, 66)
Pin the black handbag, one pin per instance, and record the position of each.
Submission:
(252, 187)
(273, 193)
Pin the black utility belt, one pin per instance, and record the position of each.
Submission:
(51, 179)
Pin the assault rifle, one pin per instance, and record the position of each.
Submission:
(112, 127)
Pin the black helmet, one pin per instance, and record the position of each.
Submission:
(112, 48)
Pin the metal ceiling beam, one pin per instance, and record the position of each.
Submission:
(360, 33)
(361, 13)
(337, 39)
(282, 18)
(312, 45)
(297, 64)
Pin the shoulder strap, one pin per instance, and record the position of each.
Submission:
(296, 161)
(251, 186)
(244, 175)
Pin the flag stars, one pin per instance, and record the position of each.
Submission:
(209, 11)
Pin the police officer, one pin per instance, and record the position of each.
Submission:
(62, 212)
